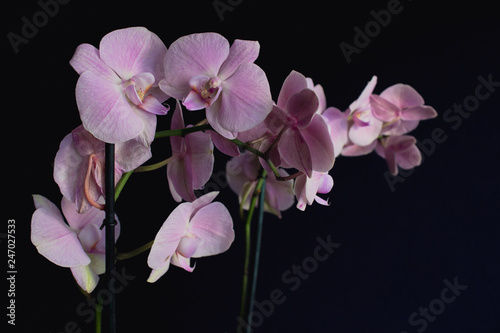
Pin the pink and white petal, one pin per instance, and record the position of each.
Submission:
(241, 52)
(192, 55)
(105, 111)
(131, 51)
(354, 150)
(364, 135)
(187, 245)
(86, 278)
(276, 119)
(400, 127)
(180, 180)
(326, 183)
(245, 100)
(213, 120)
(199, 157)
(69, 168)
(213, 226)
(77, 221)
(180, 261)
(201, 202)
(320, 144)
(402, 96)
(86, 58)
(194, 101)
(131, 154)
(400, 142)
(53, 238)
(158, 273)
(224, 145)
(281, 191)
(409, 158)
(98, 263)
(302, 106)
(152, 105)
(337, 124)
(294, 83)
(364, 98)
(294, 151)
(420, 112)
(168, 237)
(382, 109)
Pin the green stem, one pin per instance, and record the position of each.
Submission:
(151, 167)
(260, 154)
(245, 309)
(98, 317)
(121, 183)
(133, 253)
(182, 131)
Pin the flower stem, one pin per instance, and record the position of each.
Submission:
(245, 309)
(121, 183)
(133, 253)
(182, 131)
(151, 167)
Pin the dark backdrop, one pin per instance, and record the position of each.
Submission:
(420, 255)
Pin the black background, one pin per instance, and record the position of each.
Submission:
(397, 246)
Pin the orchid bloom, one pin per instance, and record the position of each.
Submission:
(337, 122)
(194, 229)
(79, 245)
(204, 72)
(79, 166)
(242, 175)
(399, 150)
(365, 126)
(117, 93)
(192, 161)
(304, 138)
(306, 189)
(401, 107)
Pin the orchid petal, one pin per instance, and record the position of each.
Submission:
(245, 100)
(199, 158)
(180, 180)
(295, 151)
(189, 56)
(402, 96)
(241, 52)
(131, 51)
(54, 239)
(294, 83)
(86, 278)
(418, 113)
(303, 106)
(364, 98)
(320, 144)
(86, 58)
(152, 105)
(382, 109)
(213, 226)
(105, 111)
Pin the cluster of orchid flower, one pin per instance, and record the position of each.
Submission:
(292, 144)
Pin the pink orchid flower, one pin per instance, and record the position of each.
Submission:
(194, 229)
(192, 161)
(401, 107)
(306, 189)
(117, 93)
(305, 143)
(242, 174)
(204, 72)
(79, 166)
(365, 126)
(79, 245)
(399, 150)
